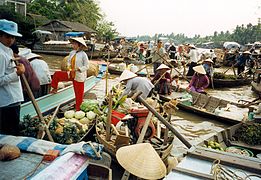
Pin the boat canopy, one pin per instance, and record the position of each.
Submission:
(41, 32)
(74, 34)
(230, 45)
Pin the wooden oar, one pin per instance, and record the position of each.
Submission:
(160, 78)
(36, 107)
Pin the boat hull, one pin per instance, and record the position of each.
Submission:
(205, 106)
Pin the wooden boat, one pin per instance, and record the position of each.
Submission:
(202, 157)
(64, 96)
(111, 148)
(221, 83)
(218, 83)
(91, 54)
(205, 105)
(256, 87)
(116, 71)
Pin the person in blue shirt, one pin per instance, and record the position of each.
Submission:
(208, 66)
(241, 62)
(11, 93)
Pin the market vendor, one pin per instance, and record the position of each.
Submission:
(78, 64)
(241, 62)
(199, 80)
(135, 83)
(163, 80)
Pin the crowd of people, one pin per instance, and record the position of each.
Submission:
(36, 72)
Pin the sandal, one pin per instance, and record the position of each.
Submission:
(53, 91)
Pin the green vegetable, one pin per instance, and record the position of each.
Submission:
(79, 114)
(89, 105)
(90, 115)
(249, 133)
(69, 114)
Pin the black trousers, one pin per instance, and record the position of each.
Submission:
(191, 70)
(240, 69)
(9, 120)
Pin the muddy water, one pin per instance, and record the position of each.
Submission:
(194, 128)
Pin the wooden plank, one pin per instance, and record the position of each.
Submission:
(228, 158)
(193, 173)
(207, 101)
(241, 144)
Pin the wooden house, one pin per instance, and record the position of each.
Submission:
(59, 28)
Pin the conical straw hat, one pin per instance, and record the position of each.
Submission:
(79, 40)
(199, 69)
(126, 74)
(142, 161)
(162, 66)
(208, 60)
(247, 52)
(32, 55)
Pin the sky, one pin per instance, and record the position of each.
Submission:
(203, 17)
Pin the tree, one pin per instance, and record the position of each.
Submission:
(25, 26)
(105, 31)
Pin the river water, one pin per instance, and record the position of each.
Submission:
(194, 128)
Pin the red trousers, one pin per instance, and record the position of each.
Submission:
(77, 86)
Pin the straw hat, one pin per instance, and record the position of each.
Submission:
(142, 161)
(254, 53)
(246, 52)
(79, 40)
(162, 66)
(126, 74)
(208, 60)
(32, 55)
(192, 46)
(199, 69)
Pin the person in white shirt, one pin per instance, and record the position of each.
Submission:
(11, 92)
(78, 64)
(42, 71)
(158, 55)
(135, 83)
(193, 55)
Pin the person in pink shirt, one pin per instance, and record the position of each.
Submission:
(199, 81)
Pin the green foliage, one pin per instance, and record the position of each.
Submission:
(106, 31)
(86, 12)
(30, 126)
(25, 26)
(242, 34)
(249, 133)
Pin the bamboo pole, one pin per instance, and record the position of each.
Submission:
(106, 74)
(108, 123)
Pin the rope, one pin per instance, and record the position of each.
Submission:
(222, 173)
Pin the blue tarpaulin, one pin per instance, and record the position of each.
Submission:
(74, 34)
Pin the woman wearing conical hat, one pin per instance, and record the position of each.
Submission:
(164, 80)
(78, 63)
(135, 83)
(199, 81)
